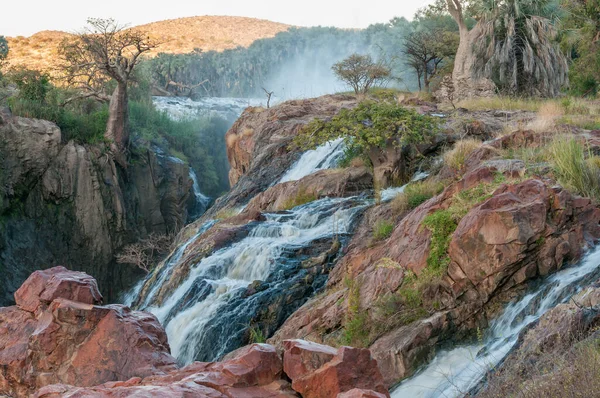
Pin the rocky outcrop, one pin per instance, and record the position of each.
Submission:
(324, 183)
(319, 371)
(71, 204)
(525, 228)
(59, 341)
(58, 333)
(258, 144)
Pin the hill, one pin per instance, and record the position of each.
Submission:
(177, 36)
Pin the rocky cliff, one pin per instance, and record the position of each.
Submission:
(467, 241)
(69, 204)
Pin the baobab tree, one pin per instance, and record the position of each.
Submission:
(512, 44)
(102, 53)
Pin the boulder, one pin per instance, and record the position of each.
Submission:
(331, 183)
(319, 371)
(43, 287)
(71, 340)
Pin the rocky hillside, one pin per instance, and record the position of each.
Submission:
(176, 36)
(431, 265)
(69, 204)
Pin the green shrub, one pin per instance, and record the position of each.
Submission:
(370, 124)
(575, 167)
(33, 85)
(356, 327)
(383, 229)
(419, 192)
(442, 224)
(257, 336)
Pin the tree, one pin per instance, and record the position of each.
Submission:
(145, 253)
(3, 51)
(361, 72)
(104, 53)
(425, 50)
(516, 46)
(464, 60)
(581, 41)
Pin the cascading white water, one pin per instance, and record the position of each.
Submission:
(453, 373)
(324, 157)
(218, 279)
(390, 193)
(202, 201)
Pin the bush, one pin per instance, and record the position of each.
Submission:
(370, 124)
(456, 157)
(383, 229)
(33, 85)
(417, 193)
(575, 167)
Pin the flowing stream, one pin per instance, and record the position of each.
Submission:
(206, 316)
(212, 310)
(453, 373)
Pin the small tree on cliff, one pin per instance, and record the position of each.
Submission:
(3, 52)
(360, 72)
(105, 52)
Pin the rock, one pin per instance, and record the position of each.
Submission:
(75, 342)
(70, 204)
(258, 145)
(324, 183)
(43, 287)
(319, 371)
(303, 357)
(360, 393)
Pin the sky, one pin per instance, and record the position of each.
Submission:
(25, 17)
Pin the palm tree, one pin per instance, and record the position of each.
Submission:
(517, 47)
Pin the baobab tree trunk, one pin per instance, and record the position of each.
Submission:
(465, 83)
(116, 127)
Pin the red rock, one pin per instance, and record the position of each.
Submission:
(73, 342)
(42, 287)
(302, 357)
(253, 365)
(315, 377)
(359, 393)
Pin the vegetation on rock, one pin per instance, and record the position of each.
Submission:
(369, 125)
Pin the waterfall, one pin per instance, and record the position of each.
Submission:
(209, 313)
(324, 157)
(390, 193)
(453, 373)
(202, 201)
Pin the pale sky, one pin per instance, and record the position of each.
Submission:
(25, 17)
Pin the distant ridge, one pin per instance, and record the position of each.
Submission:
(177, 36)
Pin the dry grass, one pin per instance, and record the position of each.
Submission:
(176, 36)
(501, 103)
(557, 373)
(456, 157)
(547, 116)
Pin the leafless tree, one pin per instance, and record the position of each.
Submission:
(145, 253)
(269, 94)
(105, 52)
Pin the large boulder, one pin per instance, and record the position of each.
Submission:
(319, 371)
(56, 334)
